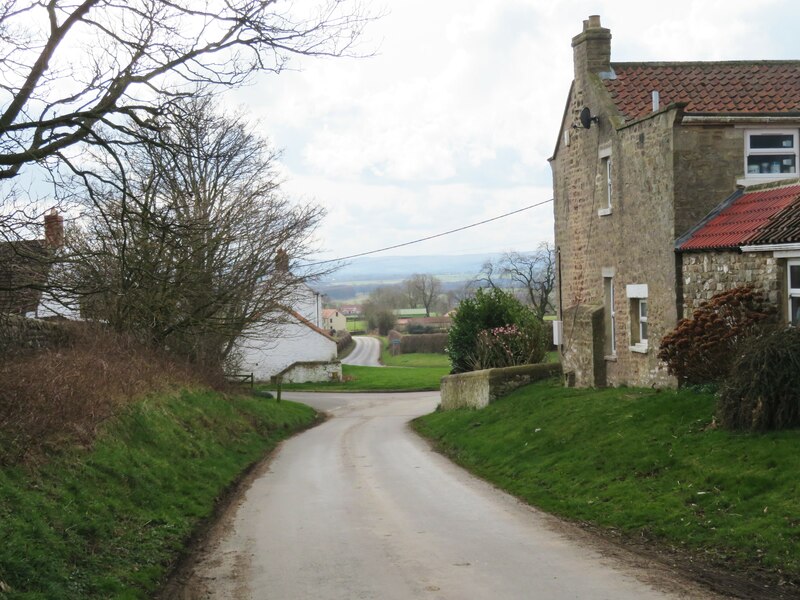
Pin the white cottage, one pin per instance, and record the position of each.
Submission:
(298, 350)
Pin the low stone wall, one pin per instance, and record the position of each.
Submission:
(20, 333)
(305, 372)
(477, 389)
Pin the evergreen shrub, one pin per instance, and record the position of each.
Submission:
(487, 310)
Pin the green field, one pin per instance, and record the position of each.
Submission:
(376, 379)
(109, 521)
(642, 462)
(354, 324)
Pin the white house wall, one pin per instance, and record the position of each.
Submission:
(288, 344)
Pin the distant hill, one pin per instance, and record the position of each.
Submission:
(386, 268)
(360, 276)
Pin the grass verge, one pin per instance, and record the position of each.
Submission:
(642, 462)
(109, 521)
(376, 379)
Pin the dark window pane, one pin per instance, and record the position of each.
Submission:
(771, 163)
(772, 140)
(644, 331)
(795, 311)
(794, 276)
(643, 308)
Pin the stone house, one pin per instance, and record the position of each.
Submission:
(297, 348)
(645, 155)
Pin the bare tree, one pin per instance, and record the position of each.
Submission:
(195, 256)
(424, 289)
(84, 71)
(94, 78)
(533, 275)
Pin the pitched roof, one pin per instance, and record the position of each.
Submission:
(741, 87)
(755, 217)
(311, 325)
(329, 312)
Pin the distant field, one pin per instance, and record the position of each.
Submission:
(356, 324)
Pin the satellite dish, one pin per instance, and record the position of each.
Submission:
(586, 118)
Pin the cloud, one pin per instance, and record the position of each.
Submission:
(454, 118)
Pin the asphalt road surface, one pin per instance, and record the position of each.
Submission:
(361, 508)
(366, 353)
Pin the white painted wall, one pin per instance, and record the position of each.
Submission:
(292, 342)
(287, 344)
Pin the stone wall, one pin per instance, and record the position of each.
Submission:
(708, 273)
(478, 389)
(20, 333)
(305, 372)
(708, 161)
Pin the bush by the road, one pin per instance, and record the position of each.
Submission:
(761, 392)
(429, 343)
(488, 310)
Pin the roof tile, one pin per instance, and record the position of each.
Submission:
(707, 87)
(762, 216)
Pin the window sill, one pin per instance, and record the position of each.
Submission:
(758, 179)
(610, 358)
(641, 348)
(603, 212)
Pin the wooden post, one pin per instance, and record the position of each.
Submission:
(278, 381)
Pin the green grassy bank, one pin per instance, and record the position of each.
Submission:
(642, 462)
(110, 520)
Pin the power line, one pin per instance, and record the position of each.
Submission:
(430, 237)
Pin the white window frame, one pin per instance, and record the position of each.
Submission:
(608, 288)
(790, 291)
(604, 155)
(638, 293)
(748, 152)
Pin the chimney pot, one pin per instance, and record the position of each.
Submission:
(594, 21)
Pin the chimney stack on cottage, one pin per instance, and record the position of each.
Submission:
(592, 48)
(282, 260)
(53, 229)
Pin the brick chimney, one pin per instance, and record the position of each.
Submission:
(53, 229)
(592, 48)
(282, 260)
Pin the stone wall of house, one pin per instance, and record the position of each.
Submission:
(634, 242)
(705, 274)
(708, 161)
(582, 355)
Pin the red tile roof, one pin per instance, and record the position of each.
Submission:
(748, 218)
(751, 87)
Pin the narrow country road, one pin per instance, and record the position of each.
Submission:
(367, 352)
(361, 508)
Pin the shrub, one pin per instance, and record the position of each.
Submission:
(60, 394)
(383, 320)
(343, 340)
(702, 349)
(761, 392)
(433, 343)
(488, 309)
(508, 346)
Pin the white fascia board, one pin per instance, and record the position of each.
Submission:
(778, 250)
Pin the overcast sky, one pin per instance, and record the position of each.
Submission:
(452, 121)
